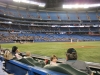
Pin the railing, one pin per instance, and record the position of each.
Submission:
(18, 68)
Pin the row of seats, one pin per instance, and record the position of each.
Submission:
(26, 68)
(39, 37)
(49, 29)
(62, 68)
(32, 62)
(64, 37)
(50, 15)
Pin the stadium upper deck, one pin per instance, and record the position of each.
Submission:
(51, 15)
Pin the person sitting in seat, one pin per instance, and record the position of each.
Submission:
(53, 60)
(16, 52)
(71, 59)
(28, 54)
(14, 49)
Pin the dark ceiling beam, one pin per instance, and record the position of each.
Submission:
(54, 3)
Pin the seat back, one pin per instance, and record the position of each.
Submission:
(64, 68)
(25, 61)
(36, 63)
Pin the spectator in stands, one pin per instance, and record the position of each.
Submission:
(17, 55)
(16, 52)
(71, 57)
(53, 60)
(1, 52)
(28, 54)
(14, 49)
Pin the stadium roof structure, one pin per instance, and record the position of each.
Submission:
(49, 4)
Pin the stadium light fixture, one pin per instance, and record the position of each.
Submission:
(16, 0)
(31, 2)
(85, 6)
(41, 5)
(80, 6)
(25, 1)
(76, 6)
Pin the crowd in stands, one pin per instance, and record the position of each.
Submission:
(44, 37)
(6, 38)
(49, 28)
(71, 60)
(11, 37)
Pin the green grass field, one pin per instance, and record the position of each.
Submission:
(87, 51)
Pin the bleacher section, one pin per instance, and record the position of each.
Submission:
(43, 15)
(42, 37)
(73, 16)
(92, 15)
(44, 26)
(82, 15)
(49, 29)
(62, 15)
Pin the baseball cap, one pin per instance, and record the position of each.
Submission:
(71, 50)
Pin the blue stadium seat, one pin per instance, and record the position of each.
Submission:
(82, 15)
(33, 14)
(15, 27)
(23, 13)
(94, 29)
(43, 15)
(63, 15)
(9, 13)
(86, 29)
(14, 12)
(72, 15)
(24, 27)
(92, 15)
(74, 29)
(53, 15)
(98, 15)
(3, 10)
(64, 29)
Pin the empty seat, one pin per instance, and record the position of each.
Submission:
(10, 13)
(92, 15)
(15, 27)
(74, 29)
(23, 13)
(63, 15)
(94, 29)
(31, 62)
(36, 63)
(98, 15)
(43, 15)
(72, 15)
(64, 29)
(33, 14)
(14, 12)
(2, 10)
(84, 29)
(82, 15)
(53, 15)
(25, 61)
